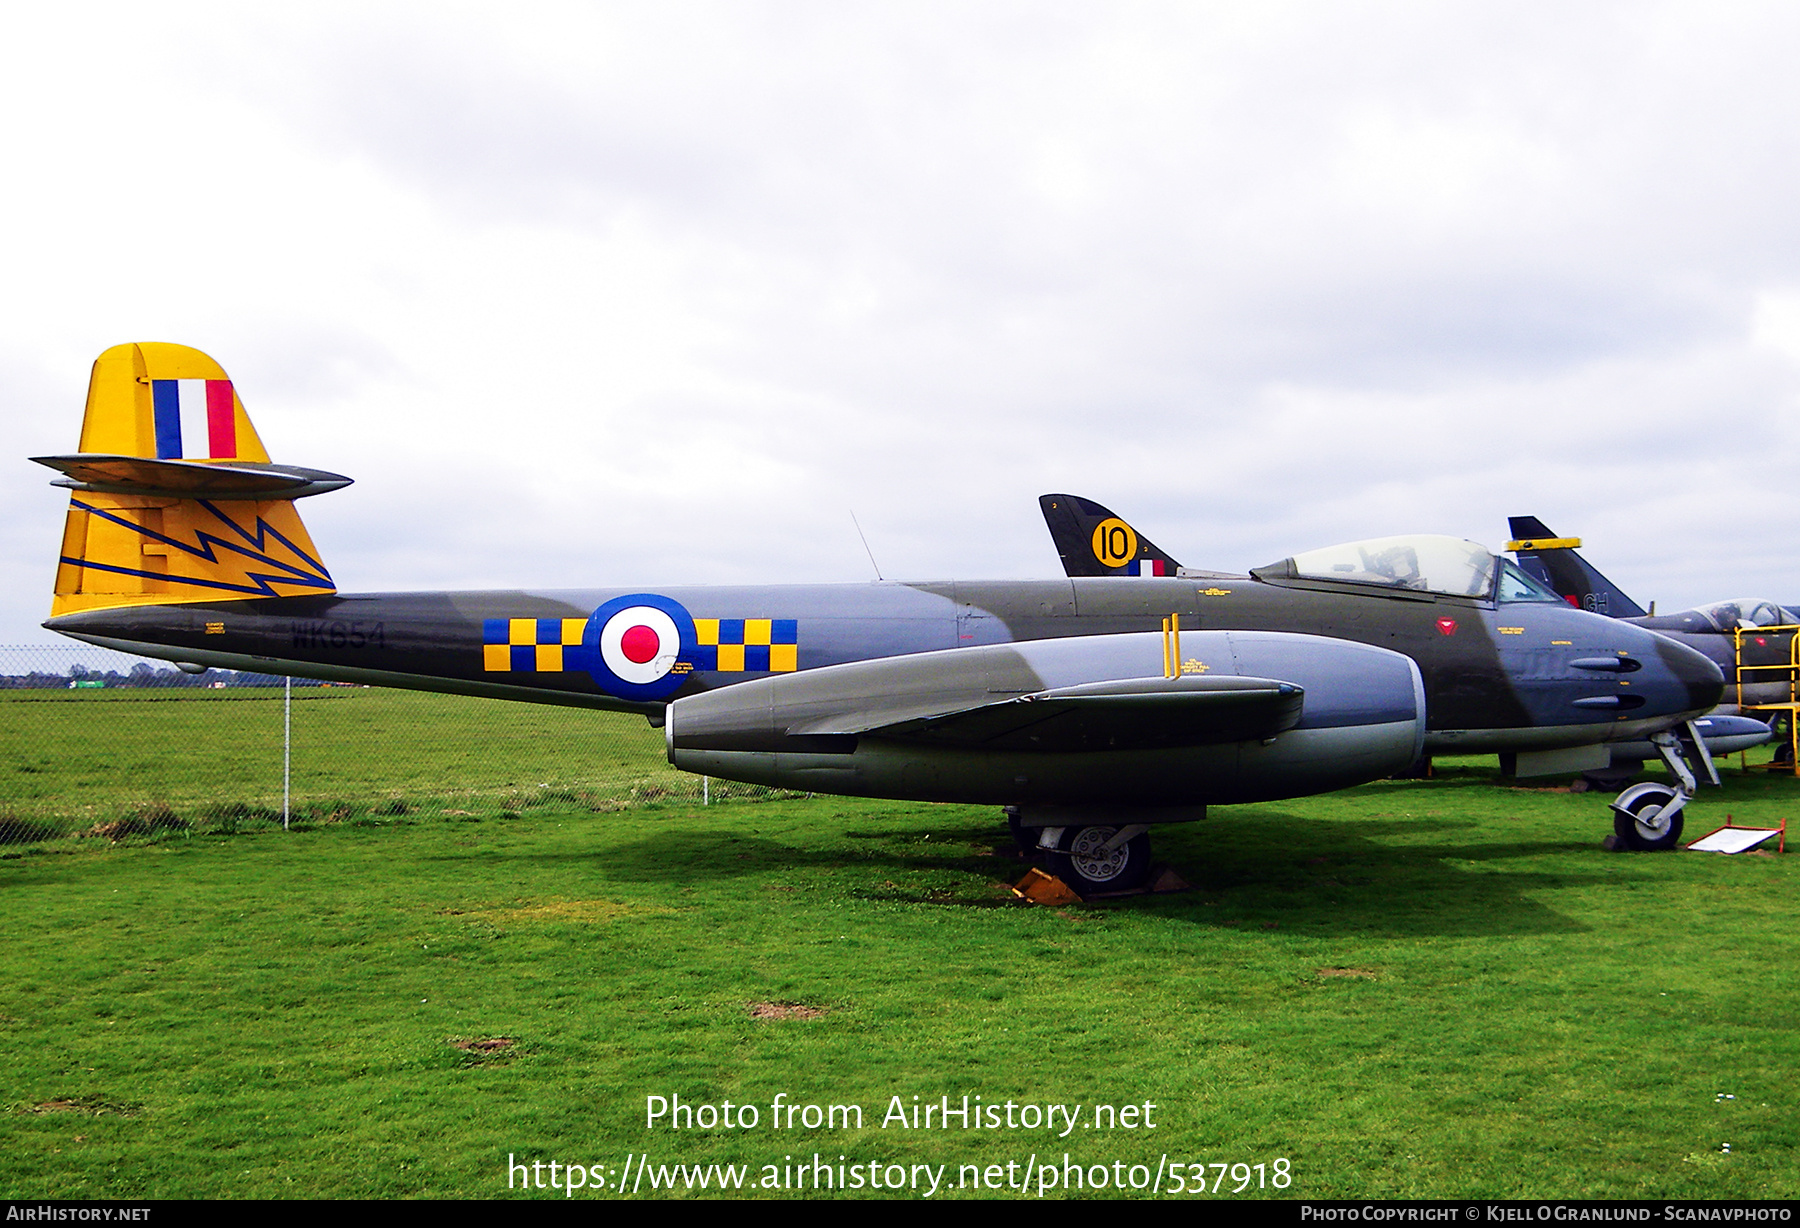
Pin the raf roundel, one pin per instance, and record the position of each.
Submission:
(638, 641)
(640, 644)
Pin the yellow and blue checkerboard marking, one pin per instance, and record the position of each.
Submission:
(724, 645)
(528, 645)
(747, 645)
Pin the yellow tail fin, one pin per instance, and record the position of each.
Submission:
(175, 498)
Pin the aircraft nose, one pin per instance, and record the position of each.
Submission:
(1703, 681)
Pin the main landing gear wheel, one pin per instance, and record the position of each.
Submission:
(1648, 817)
(1083, 861)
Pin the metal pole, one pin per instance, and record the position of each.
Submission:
(287, 746)
(706, 790)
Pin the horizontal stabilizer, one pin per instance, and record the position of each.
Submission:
(181, 479)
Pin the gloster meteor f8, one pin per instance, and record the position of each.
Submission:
(1090, 709)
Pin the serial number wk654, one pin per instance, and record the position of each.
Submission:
(333, 634)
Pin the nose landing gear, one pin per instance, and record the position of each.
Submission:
(1647, 817)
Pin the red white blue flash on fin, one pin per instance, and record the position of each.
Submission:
(195, 419)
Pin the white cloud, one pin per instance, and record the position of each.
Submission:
(1775, 322)
(614, 293)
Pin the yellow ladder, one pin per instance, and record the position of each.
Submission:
(1790, 673)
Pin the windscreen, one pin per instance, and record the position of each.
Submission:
(1423, 563)
(1516, 584)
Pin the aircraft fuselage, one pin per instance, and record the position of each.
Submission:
(1497, 676)
(1759, 666)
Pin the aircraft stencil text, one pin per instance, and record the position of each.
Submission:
(335, 634)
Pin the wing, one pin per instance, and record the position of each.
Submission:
(1134, 714)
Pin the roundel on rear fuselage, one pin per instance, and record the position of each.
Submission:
(637, 641)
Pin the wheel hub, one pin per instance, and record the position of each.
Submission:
(1652, 821)
(1090, 856)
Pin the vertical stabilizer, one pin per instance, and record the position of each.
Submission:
(1553, 560)
(175, 498)
(169, 402)
(1094, 542)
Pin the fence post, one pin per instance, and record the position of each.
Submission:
(287, 745)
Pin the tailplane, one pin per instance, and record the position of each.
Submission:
(1553, 560)
(175, 498)
(1094, 542)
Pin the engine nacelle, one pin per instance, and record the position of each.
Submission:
(1240, 716)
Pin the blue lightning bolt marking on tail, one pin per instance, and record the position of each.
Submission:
(206, 541)
(264, 530)
(260, 589)
(203, 549)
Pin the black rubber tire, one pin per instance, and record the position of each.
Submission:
(1126, 868)
(1635, 836)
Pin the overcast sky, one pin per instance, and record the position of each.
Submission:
(639, 294)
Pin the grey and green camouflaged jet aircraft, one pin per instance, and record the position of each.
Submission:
(1747, 635)
(1750, 639)
(1092, 710)
(1546, 691)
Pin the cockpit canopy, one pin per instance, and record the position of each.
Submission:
(1419, 562)
(1747, 612)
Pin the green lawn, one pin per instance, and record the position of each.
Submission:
(72, 758)
(1414, 989)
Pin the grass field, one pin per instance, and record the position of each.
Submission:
(69, 759)
(1427, 988)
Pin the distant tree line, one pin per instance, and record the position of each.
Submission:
(143, 674)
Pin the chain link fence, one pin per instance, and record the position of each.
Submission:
(100, 743)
